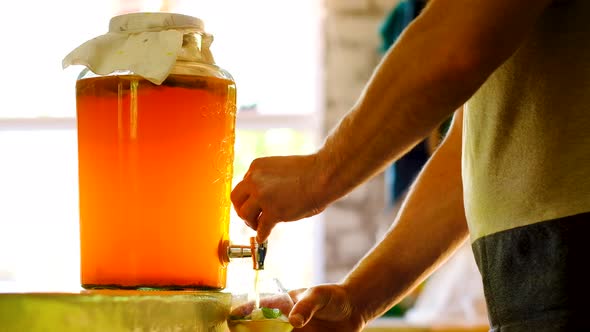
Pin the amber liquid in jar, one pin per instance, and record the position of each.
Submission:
(155, 169)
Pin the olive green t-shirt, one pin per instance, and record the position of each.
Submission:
(526, 148)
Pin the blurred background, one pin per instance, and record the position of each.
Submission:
(274, 59)
(299, 66)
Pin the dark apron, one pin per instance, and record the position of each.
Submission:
(533, 276)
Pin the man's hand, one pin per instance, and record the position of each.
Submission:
(278, 189)
(324, 308)
(283, 302)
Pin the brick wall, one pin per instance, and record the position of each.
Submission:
(354, 223)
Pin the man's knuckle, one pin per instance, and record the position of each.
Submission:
(256, 163)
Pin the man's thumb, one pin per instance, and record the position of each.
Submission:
(311, 301)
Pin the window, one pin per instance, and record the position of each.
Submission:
(275, 61)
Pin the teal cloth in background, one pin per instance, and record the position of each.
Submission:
(397, 20)
(400, 175)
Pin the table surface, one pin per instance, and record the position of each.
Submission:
(115, 311)
(139, 311)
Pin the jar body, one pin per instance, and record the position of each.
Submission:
(155, 170)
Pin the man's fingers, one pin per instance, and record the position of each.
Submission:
(243, 310)
(265, 226)
(283, 302)
(311, 301)
(296, 294)
(239, 195)
(250, 211)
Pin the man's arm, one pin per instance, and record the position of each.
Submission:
(435, 66)
(429, 227)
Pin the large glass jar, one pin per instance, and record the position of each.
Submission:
(155, 170)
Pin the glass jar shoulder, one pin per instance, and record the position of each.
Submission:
(191, 68)
(181, 68)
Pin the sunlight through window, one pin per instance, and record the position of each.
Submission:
(274, 59)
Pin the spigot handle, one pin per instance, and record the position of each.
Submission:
(258, 253)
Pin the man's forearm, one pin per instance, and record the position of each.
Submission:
(429, 227)
(436, 65)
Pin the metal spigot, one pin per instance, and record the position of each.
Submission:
(255, 250)
(258, 253)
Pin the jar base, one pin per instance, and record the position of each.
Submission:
(152, 287)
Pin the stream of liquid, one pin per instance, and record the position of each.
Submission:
(256, 289)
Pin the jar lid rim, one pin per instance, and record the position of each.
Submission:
(146, 21)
